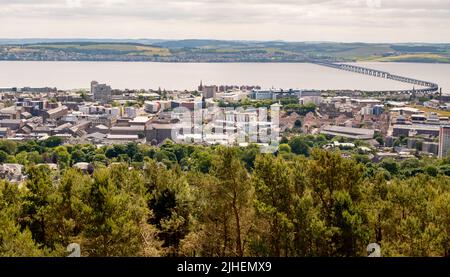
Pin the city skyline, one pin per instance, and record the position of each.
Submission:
(307, 20)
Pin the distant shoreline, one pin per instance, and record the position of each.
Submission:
(213, 51)
(223, 62)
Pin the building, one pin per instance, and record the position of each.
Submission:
(130, 112)
(97, 109)
(366, 110)
(418, 118)
(365, 102)
(412, 143)
(158, 132)
(408, 111)
(418, 129)
(444, 141)
(102, 129)
(83, 166)
(432, 104)
(138, 130)
(190, 104)
(55, 114)
(378, 110)
(231, 97)
(101, 92)
(37, 90)
(139, 121)
(208, 91)
(12, 124)
(152, 106)
(102, 119)
(12, 172)
(119, 139)
(348, 132)
(430, 147)
(12, 112)
(262, 94)
(279, 94)
(316, 100)
(4, 132)
(80, 128)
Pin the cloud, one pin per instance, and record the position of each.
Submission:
(305, 19)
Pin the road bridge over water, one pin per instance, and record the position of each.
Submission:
(429, 87)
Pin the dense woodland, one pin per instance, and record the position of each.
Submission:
(186, 200)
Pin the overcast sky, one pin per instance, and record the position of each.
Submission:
(292, 20)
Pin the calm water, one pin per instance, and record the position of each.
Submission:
(69, 75)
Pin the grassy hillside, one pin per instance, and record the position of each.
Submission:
(421, 57)
(105, 47)
(83, 51)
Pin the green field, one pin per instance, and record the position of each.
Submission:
(421, 57)
(430, 110)
(127, 49)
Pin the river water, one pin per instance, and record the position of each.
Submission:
(181, 76)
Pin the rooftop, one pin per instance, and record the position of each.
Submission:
(406, 109)
(140, 119)
(122, 137)
(418, 127)
(348, 132)
(56, 110)
(128, 128)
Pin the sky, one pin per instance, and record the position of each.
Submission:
(290, 20)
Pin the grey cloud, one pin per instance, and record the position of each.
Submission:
(394, 14)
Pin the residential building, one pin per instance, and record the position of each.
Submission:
(55, 114)
(444, 141)
(13, 124)
(209, 91)
(101, 92)
(4, 132)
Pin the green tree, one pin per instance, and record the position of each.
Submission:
(61, 156)
(118, 225)
(299, 146)
(170, 200)
(36, 204)
(275, 190)
(68, 208)
(390, 165)
(3, 156)
(8, 146)
(14, 241)
(336, 184)
(233, 191)
(78, 156)
(52, 142)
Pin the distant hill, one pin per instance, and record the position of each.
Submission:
(204, 50)
(46, 40)
(198, 43)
